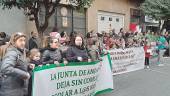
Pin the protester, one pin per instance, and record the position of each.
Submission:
(108, 41)
(72, 38)
(35, 60)
(52, 54)
(64, 37)
(34, 41)
(64, 43)
(121, 32)
(93, 48)
(14, 67)
(129, 43)
(127, 34)
(112, 33)
(100, 43)
(77, 52)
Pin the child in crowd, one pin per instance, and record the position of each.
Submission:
(35, 60)
(147, 52)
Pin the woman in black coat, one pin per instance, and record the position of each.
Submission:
(77, 52)
(52, 54)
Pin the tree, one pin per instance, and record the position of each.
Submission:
(32, 9)
(157, 9)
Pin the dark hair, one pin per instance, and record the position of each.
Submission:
(121, 29)
(32, 32)
(55, 29)
(2, 34)
(83, 44)
(136, 33)
(88, 35)
(72, 38)
(73, 34)
(62, 34)
(99, 35)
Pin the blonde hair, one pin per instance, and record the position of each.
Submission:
(45, 41)
(33, 52)
(12, 41)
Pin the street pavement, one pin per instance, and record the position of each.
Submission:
(147, 82)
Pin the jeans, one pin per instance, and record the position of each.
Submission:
(160, 56)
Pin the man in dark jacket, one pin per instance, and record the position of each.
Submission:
(33, 41)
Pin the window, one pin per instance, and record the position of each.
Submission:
(102, 18)
(117, 19)
(76, 20)
(110, 18)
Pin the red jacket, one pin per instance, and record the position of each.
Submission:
(146, 53)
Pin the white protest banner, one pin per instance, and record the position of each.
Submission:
(105, 76)
(76, 79)
(127, 60)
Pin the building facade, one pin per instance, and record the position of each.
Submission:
(104, 15)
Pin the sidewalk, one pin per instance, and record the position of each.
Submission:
(147, 82)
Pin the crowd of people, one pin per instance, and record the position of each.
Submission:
(152, 42)
(18, 61)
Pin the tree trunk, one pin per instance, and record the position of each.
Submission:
(164, 25)
(49, 11)
(161, 24)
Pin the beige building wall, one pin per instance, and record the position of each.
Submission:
(113, 6)
(12, 21)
